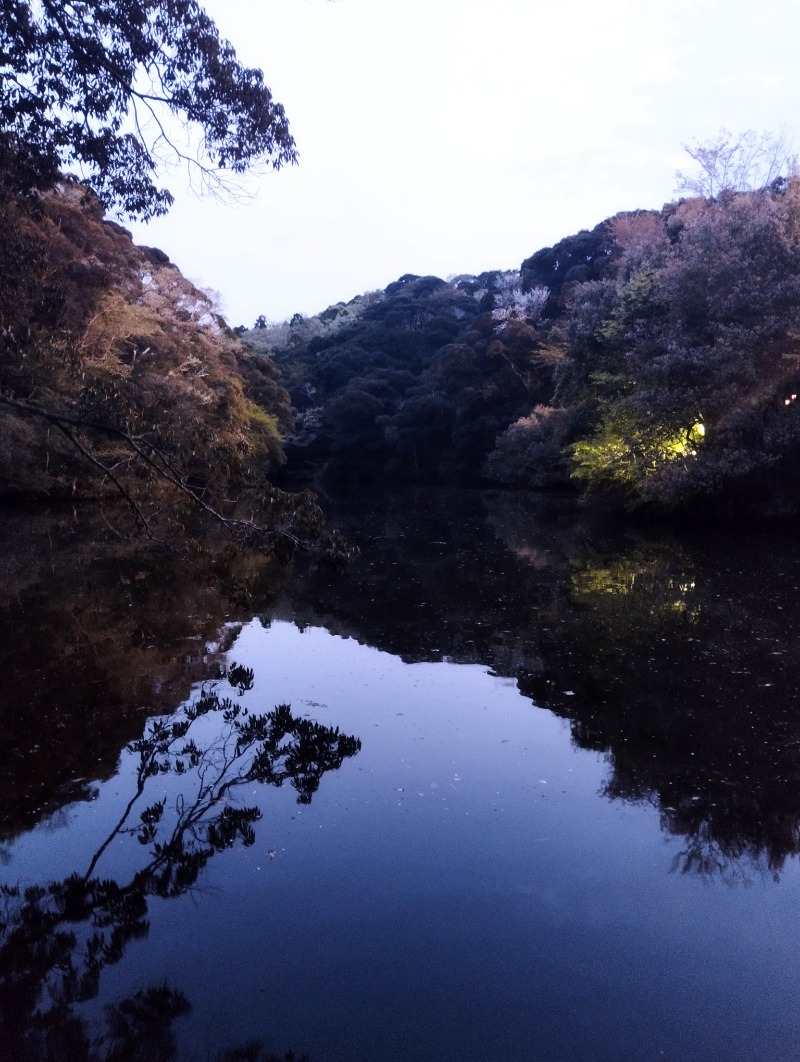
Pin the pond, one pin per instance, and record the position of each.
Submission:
(512, 786)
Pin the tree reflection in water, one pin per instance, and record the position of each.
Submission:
(673, 655)
(56, 939)
(676, 662)
(94, 632)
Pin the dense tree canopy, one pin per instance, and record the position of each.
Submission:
(688, 359)
(653, 360)
(99, 85)
(119, 379)
(414, 382)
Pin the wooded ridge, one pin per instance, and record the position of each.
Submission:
(653, 361)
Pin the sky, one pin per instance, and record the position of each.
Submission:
(442, 137)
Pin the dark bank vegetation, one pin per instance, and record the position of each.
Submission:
(653, 361)
(118, 379)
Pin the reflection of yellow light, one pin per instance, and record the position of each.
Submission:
(700, 428)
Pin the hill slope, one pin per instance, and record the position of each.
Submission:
(119, 379)
(654, 360)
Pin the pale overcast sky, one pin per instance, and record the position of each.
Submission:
(443, 137)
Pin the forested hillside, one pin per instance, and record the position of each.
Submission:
(118, 379)
(415, 381)
(654, 360)
(103, 332)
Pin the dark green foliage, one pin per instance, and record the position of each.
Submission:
(414, 383)
(572, 261)
(688, 358)
(678, 366)
(417, 434)
(653, 360)
(531, 452)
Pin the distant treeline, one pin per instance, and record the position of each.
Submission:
(654, 361)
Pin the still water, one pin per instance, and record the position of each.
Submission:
(532, 795)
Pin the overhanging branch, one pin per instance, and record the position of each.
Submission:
(154, 458)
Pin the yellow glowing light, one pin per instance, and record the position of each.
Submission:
(700, 428)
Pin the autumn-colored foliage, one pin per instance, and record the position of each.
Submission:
(117, 375)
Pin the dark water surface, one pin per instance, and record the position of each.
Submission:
(536, 795)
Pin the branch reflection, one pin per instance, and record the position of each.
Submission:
(675, 655)
(56, 938)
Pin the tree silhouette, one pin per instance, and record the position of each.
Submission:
(100, 85)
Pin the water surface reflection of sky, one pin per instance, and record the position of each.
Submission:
(536, 797)
(459, 889)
